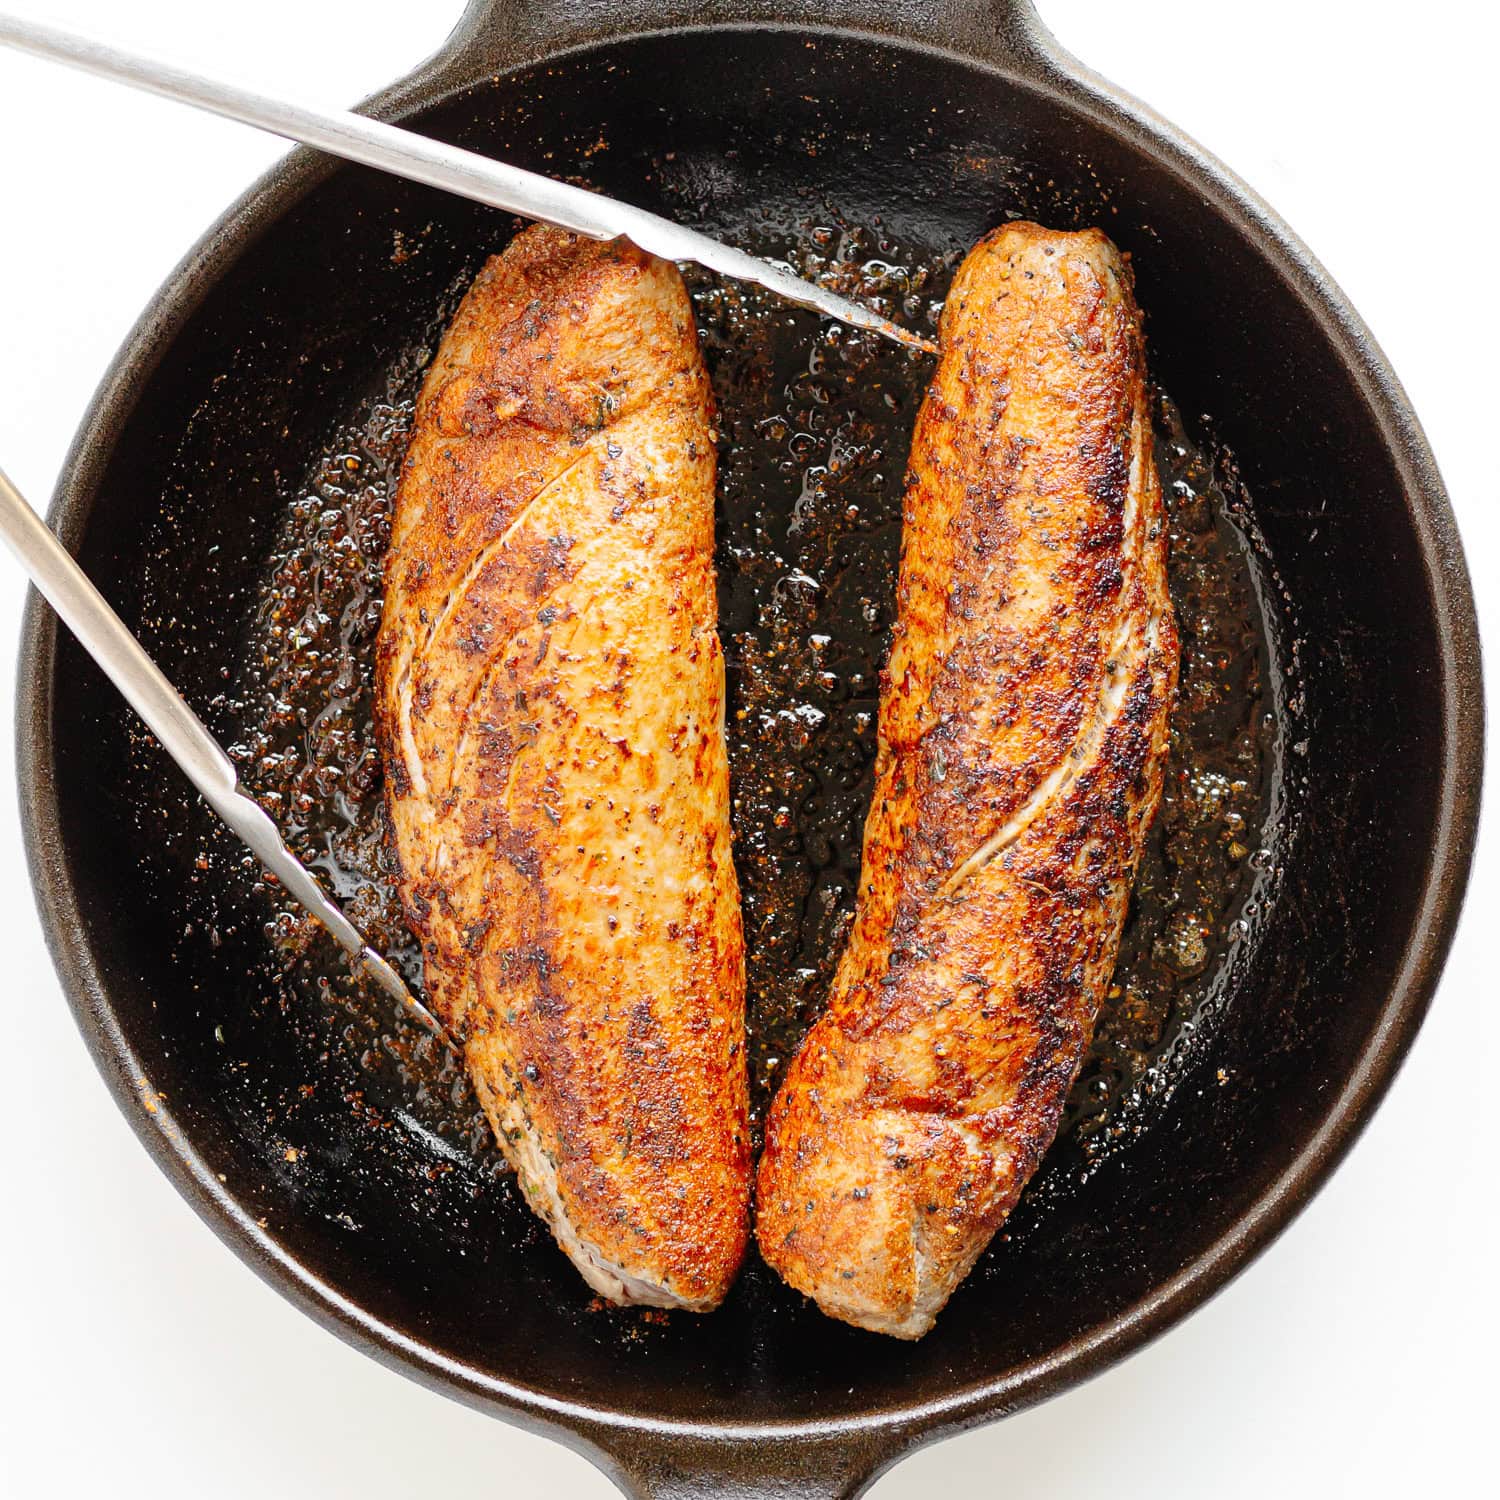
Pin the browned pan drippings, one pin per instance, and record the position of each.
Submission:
(814, 426)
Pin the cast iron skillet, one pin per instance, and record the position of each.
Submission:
(944, 115)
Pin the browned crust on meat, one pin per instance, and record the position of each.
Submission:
(550, 706)
(1023, 731)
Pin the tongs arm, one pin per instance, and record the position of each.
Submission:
(101, 632)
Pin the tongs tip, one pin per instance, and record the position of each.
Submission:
(381, 971)
(864, 317)
(912, 340)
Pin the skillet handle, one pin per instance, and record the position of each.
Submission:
(496, 34)
(659, 1466)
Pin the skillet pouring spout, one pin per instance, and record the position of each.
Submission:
(661, 1467)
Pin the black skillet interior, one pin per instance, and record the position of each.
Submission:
(293, 321)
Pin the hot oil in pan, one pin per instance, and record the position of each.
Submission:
(814, 428)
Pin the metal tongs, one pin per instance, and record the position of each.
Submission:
(373, 143)
(82, 608)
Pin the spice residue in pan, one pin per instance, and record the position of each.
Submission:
(814, 424)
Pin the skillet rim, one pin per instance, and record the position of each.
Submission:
(1061, 84)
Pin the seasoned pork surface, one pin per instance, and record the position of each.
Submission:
(1023, 730)
(550, 704)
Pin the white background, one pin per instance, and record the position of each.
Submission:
(1356, 1357)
